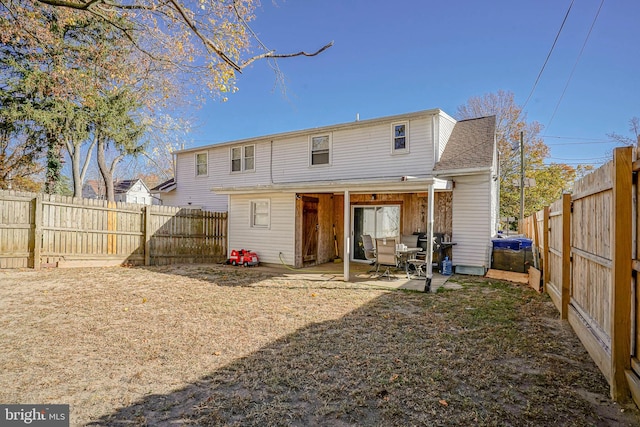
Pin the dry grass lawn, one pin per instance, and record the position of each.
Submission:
(220, 345)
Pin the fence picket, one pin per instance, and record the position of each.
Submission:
(593, 288)
(37, 229)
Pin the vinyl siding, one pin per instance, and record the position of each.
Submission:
(194, 189)
(220, 161)
(267, 243)
(356, 153)
(471, 220)
(445, 128)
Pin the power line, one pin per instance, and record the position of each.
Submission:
(577, 158)
(575, 137)
(555, 144)
(548, 56)
(593, 23)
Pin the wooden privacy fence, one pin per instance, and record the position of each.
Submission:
(46, 230)
(589, 241)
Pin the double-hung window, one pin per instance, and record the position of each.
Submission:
(320, 150)
(243, 158)
(260, 214)
(201, 164)
(400, 137)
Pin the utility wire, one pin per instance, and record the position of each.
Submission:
(577, 137)
(548, 56)
(555, 110)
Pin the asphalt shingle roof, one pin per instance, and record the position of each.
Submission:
(471, 145)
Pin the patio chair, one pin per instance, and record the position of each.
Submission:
(417, 264)
(369, 250)
(386, 256)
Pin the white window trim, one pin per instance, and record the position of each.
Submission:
(242, 159)
(195, 159)
(324, 165)
(252, 206)
(244, 149)
(407, 137)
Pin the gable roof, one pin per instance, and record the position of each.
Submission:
(470, 146)
(125, 185)
(165, 187)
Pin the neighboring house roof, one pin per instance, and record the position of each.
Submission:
(471, 145)
(165, 187)
(124, 186)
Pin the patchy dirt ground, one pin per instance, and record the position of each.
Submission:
(218, 345)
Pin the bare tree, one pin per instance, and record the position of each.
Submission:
(634, 128)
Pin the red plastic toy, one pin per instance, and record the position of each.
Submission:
(243, 257)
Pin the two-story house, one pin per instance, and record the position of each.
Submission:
(291, 196)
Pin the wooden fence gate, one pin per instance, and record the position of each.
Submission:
(39, 229)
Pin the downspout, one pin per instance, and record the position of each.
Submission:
(271, 161)
(429, 275)
(347, 234)
(436, 144)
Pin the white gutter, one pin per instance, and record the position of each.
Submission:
(399, 185)
(462, 172)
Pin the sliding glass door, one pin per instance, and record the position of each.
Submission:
(377, 221)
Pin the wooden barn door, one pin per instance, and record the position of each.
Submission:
(310, 230)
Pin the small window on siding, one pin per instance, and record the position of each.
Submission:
(236, 159)
(201, 164)
(400, 137)
(320, 150)
(260, 214)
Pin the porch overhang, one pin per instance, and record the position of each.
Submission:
(404, 184)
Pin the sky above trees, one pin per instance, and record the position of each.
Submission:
(392, 58)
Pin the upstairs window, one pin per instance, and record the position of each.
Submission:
(320, 150)
(201, 164)
(243, 158)
(400, 137)
(249, 157)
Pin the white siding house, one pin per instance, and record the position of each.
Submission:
(128, 191)
(290, 195)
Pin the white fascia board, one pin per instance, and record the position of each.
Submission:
(396, 185)
(461, 172)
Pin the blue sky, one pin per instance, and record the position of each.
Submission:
(403, 56)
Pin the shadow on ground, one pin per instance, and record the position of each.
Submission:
(487, 354)
(361, 276)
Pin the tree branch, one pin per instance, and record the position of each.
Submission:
(69, 4)
(272, 54)
(208, 43)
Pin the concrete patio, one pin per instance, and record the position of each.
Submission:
(360, 273)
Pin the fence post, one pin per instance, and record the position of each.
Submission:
(111, 227)
(545, 256)
(36, 250)
(621, 273)
(566, 256)
(147, 235)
